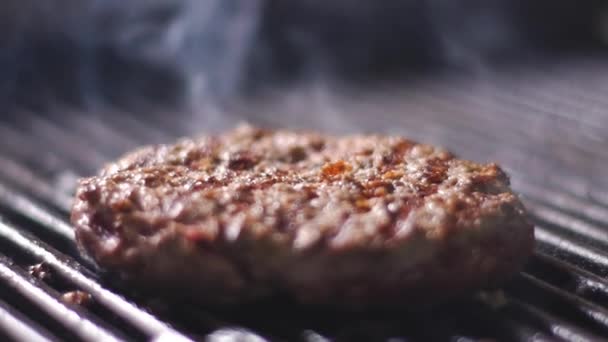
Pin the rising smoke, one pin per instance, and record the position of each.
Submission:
(187, 52)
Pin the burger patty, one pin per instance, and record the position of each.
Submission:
(352, 221)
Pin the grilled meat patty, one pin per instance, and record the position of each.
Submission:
(353, 221)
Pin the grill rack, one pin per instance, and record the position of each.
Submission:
(562, 293)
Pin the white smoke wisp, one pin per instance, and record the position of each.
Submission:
(214, 39)
(202, 43)
(471, 32)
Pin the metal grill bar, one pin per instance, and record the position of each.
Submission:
(553, 99)
(527, 334)
(76, 322)
(584, 284)
(17, 145)
(530, 287)
(517, 104)
(547, 322)
(565, 202)
(18, 175)
(498, 322)
(128, 125)
(69, 269)
(596, 234)
(577, 253)
(82, 155)
(94, 129)
(28, 208)
(20, 328)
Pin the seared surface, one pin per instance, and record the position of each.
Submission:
(352, 221)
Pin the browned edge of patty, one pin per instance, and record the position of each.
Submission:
(353, 221)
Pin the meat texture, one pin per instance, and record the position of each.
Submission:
(342, 221)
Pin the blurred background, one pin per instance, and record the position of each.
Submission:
(480, 76)
(167, 52)
(514, 81)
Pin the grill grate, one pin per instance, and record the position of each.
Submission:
(546, 127)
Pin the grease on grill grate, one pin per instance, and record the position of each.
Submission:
(562, 293)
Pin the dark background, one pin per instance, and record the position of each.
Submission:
(518, 82)
(169, 52)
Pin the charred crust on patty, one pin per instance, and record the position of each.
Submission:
(348, 221)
